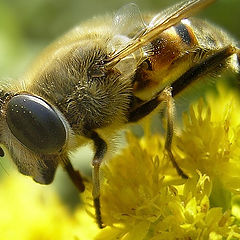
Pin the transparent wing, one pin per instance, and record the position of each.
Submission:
(128, 21)
(157, 25)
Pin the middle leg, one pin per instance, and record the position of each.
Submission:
(147, 107)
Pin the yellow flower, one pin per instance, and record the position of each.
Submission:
(143, 198)
(29, 211)
(138, 204)
(210, 139)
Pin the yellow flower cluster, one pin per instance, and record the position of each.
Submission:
(210, 140)
(29, 211)
(138, 204)
(142, 197)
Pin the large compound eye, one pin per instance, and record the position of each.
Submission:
(35, 124)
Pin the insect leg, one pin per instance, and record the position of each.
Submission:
(166, 95)
(143, 109)
(206, 66)
(74, 175)
(147, 107)
(209, 65)
(100, 150)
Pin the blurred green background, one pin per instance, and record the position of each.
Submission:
(26, 27)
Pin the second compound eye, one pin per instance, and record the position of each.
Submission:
(1, 152)
(35, 124)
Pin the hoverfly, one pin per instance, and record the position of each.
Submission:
(102, 75)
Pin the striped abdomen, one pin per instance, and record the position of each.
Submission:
(174, 52)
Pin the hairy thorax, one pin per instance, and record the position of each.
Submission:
(88, 97)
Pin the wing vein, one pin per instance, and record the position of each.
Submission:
(159, 23)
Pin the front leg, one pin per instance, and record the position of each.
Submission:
(74, 175)
(100, 150)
